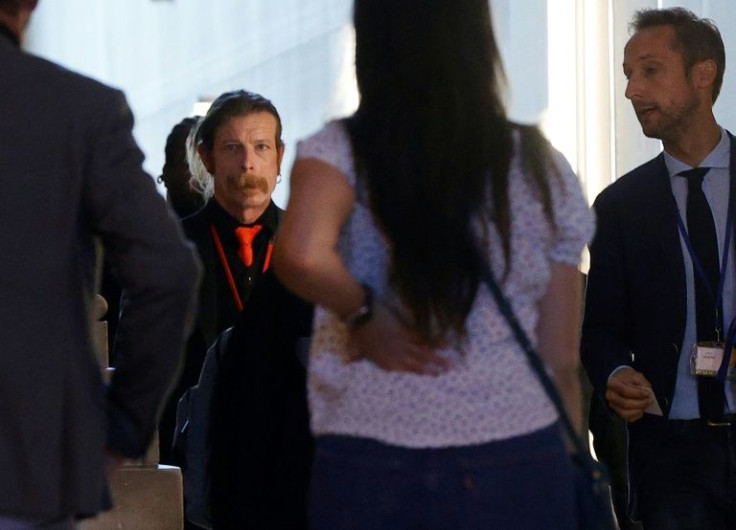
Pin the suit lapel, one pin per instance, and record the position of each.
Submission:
(658, 216)
(665, 216)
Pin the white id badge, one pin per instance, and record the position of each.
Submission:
(705, 358)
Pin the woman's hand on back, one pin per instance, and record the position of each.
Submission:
(390, 345)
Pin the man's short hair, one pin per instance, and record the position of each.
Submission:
(230, 104)
(696, 39)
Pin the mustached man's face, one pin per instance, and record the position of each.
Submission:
(245, 161)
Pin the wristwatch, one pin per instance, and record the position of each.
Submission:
(364, 313)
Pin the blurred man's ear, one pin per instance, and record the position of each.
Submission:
(26, 8)
(280, 148)
(15, 14)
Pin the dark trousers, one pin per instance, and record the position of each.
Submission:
(609, 442)
(683, 474)
(523, 483)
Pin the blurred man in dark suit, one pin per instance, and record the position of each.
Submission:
(73, 185)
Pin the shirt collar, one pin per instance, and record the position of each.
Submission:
(719, 157)
(225, 221)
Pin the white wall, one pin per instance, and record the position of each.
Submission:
(165, 55)
(562, 57)
(567, 74)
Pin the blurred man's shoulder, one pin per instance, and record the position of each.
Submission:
(62, 82)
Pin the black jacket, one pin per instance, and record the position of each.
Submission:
(73, 182)
(636, 294)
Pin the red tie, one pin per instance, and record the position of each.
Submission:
(246, 235)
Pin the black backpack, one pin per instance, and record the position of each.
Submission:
(242, 433)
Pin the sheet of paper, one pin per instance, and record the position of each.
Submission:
(654, 408)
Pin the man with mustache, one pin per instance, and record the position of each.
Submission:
(239, 144)
(660, 297)
(253, 469)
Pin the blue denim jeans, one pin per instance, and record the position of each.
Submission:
(520, 483)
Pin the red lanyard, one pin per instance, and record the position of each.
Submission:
(228, 272)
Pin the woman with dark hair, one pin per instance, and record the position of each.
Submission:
(183, 198)
(426, 412)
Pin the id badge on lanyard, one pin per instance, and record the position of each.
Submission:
(706, 359)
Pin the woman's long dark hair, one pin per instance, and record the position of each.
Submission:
(432, 142)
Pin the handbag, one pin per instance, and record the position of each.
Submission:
(592, 482)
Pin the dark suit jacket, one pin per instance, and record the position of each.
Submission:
(636, 295)
(635, 308)
(72, 182)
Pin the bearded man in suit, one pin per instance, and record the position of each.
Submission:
(661, 290)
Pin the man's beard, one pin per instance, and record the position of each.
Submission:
(670, 120)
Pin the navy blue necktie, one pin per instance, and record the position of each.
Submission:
(702, 234)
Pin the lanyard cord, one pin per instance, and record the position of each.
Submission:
(228, 272)
(718, 295)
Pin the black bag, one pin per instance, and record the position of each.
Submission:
(261, 446)
(592, 483)
(193, 438)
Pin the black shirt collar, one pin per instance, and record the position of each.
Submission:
(227, 223)
(4, 30)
